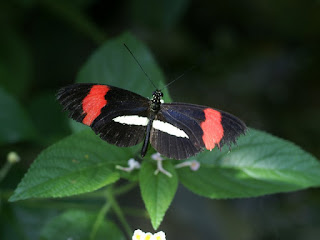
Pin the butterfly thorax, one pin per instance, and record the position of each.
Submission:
(156, 101)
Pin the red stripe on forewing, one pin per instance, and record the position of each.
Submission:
(94, 102)
(212, 128)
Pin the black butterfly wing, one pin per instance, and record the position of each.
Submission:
(182, 130)
(118, 116)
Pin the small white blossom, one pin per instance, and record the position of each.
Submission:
(138, 235)
(159, 236)
(13, 157)
(159, 159)
(194, 165)
(148, 236)
(132, 165)
(156, 156)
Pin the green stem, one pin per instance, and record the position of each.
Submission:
(76, 18)
(103, 211)
(116, 208)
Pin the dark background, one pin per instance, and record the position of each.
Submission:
(256, 59)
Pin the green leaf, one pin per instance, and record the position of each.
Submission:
(112, 64)
(77, 225)
(157, 190)
(260, 164)
(79, 163)
(15, 123)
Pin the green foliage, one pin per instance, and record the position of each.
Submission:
(157, 190)
(77, 225)
(78, 164)
(260, 164)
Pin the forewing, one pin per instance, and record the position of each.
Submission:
(187, 129)
(99, 105)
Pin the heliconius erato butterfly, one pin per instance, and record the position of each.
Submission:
(124, 118)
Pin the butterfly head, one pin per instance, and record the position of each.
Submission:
(157, 95)
(156, 100)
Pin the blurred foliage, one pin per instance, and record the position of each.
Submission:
(256, 59)
(78, 223)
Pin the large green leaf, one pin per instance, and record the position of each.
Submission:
(260, 164)
(157, 190)
(112, 64)
(15, 122)
(80, 163)
(77, 225)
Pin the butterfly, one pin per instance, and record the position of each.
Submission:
(124, 118)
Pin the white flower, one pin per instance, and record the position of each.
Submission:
(148, 236)
(156, 156)
(159, 159)
(159, 236)
(194, 165)
(13, 157)
(133, 164)
(138, 235)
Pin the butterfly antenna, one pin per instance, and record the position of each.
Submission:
(179, 77)
(140, 65)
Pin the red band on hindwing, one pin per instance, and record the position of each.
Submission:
(212, 128)
(94, 102)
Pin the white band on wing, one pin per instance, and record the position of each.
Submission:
(132, 120)
(157, 124)
(169, 128)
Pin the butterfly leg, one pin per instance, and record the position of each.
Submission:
(146, 139)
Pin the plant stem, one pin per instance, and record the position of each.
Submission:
(116, 208)
(103, 211)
